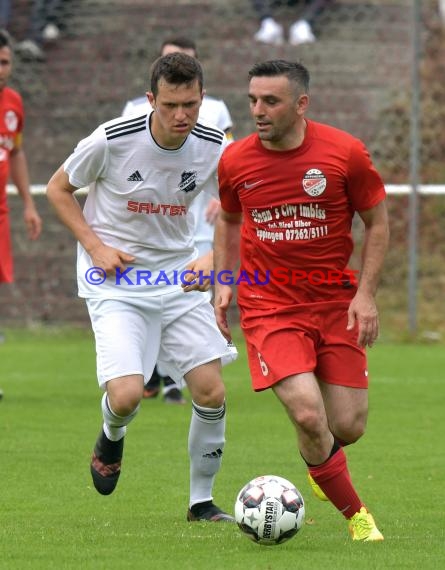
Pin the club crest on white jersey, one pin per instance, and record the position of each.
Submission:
(188, 181)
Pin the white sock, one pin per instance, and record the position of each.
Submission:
(114, 426)
(206, 445)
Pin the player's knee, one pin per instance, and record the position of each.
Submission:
(210, 396)
(125, 403)
(309, 421)
(350, 431)
(124, 395)
(206, 385)
(123, 407)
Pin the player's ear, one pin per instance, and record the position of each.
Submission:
(303, 103)
(151, 99)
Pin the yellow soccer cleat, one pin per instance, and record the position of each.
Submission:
(316, 489)
(362, 527)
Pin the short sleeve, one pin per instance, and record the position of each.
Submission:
(228, 196)
(225, 120)
(365, 187)
(87, 163)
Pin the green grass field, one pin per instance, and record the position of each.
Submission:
(52, 518)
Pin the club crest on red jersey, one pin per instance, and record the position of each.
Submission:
(314, 182)
(188, 181)
(11, 121)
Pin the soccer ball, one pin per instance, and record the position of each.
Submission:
(269, 510)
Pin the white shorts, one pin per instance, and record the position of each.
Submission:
(178, 330)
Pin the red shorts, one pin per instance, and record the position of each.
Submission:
(309, 338)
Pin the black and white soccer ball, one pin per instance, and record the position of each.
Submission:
(269, 510)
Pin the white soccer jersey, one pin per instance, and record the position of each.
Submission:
(139, 201)
(214, 112)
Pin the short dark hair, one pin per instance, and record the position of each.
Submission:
(177, 68)
(292, 70)
(5, 39)
(180, 41)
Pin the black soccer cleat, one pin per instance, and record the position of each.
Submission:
(207, 511)
(106, 463)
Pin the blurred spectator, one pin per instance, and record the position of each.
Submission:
(45, 25)
(12, 162)
(300, 32)
(442, 10)
(5, 14)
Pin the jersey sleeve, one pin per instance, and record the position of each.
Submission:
(128, 109)
(225, 120)
(18, 136)
(18, 140)
(87, 163)
(215, 112)
(364, 185)
(228, 196)
(211, 186)
(135, 106)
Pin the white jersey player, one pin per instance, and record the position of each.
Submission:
(147, 197)
(204, 208)
(135, 237)
(213, 111)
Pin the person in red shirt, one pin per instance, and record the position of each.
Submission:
(288, 194)
(12, 162)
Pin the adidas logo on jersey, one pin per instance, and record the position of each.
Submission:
(135, 177)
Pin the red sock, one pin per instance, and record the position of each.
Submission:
(333, 478)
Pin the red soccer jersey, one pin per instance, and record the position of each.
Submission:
(11, 125)
(297, 210)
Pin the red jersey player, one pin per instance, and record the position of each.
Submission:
(12, 162)
(288, 195)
